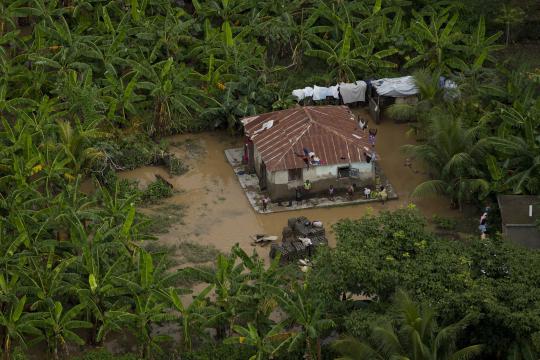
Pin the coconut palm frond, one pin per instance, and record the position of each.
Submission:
(430, 188)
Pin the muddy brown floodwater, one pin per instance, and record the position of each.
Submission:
(219, 214)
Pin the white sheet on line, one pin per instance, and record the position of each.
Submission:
(320, 92)
(396, 87)
(298, 94)
(352, 92)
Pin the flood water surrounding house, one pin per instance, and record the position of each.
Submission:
(219, 214)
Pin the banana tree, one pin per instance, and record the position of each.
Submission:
(172, 99)
(11, 11)
(60, 326)
(193, 316)
(346, 61)
(267, 345)
(98, 291)
(148, 278)
(17, 325)
(229, 282)
(435, 43)
(303, 310)
(148, 310)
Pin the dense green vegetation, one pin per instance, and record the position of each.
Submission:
(89, 87)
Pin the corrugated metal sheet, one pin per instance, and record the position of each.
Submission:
(326, 130)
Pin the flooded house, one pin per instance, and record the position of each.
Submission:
(322, 144)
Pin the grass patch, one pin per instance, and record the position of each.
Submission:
(187, 281)
(192, 146)
(193, 252)
(163, 217)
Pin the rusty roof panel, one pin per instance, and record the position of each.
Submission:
(326, 130)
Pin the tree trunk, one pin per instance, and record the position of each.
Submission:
(319, 350)
(507, 33)
(307, 356)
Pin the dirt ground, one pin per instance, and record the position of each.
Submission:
(217, 212)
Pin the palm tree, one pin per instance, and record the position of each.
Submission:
(510, 16)
(417, 337)
(452, 158)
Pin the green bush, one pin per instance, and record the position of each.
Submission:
(443, 223)
(157, 190)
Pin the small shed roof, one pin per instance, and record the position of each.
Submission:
(519, 209)
(331, 132)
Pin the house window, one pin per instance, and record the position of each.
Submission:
(343, 172)
(295, 174)
(347, 171)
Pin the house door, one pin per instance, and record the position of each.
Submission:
(262, 178)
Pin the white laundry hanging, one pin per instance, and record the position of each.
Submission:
(299, 94)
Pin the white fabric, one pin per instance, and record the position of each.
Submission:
(396, 87)
(299, 94)
(353, 92)
(334, 91)
(305, 241)
(449, 84)
(308, 91)
(320, 93)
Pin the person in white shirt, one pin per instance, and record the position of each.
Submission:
(367, 192)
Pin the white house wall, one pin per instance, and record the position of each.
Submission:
(257, 157)
(280, 177)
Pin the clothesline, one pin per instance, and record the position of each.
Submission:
(349, 92)
(353, 92)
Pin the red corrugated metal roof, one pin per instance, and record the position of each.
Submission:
(326, 130)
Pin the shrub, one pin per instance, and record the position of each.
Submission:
(443, 223)
(157, 190)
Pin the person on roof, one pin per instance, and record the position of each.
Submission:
(362, 124)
